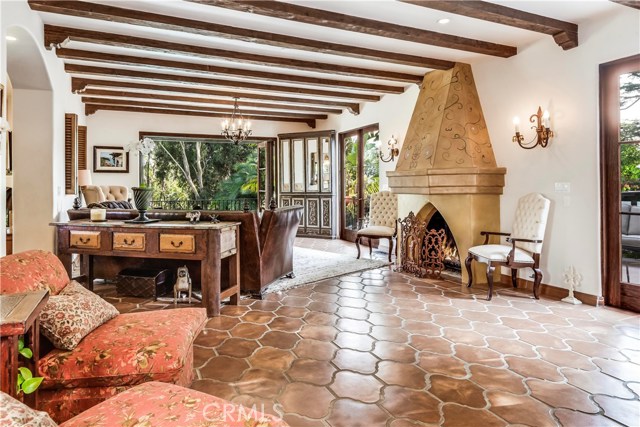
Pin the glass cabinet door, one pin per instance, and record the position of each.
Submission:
(326, 164)
(285, 165)
(313, 165)
(298, 165)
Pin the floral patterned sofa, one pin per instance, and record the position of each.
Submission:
(149, 404)
(125, 351)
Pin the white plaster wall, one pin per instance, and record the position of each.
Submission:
(39, 162)
(114, 128)
(392, 113)
(565, 83)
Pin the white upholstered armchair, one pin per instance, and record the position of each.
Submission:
(383, 215)
(525, 246)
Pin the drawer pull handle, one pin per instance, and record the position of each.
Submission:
(85, 240)
(176, 245)
(129, 243)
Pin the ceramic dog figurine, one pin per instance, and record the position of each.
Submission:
(183, 284)
(194, 217)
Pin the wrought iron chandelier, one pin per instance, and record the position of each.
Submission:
(236, 128)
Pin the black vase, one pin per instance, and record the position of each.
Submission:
(142, 198)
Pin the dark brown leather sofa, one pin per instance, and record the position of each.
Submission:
(266, 244)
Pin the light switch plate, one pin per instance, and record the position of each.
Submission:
(563, 187)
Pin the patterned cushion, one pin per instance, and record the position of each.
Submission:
(14, 413)
(127, 350)
(159, 405)
(31, 271)
(69, 316)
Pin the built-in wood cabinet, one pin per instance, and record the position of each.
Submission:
(306, 164)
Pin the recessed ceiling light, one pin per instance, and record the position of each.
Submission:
(444, 21)
(11, 38)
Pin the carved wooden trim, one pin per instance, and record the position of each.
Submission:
(265, 114)
(80, 84)
(92, 108)
(117, 72)
(56, 36)
(564, 33)
(227, 71)
(135, 17)
(199, 100)
(308, 15)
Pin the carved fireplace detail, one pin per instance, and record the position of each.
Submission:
(447, 163)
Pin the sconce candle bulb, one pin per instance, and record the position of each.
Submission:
(541, 125)
(393, 150)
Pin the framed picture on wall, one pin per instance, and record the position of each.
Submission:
(110, 159)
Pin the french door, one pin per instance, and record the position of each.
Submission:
(359, 177)
(620, 172)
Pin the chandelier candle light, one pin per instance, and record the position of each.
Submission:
(236, 128)
(541, 126)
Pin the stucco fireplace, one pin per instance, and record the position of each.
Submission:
(446, 164)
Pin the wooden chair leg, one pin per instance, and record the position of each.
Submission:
(370, 248)
(358, 246)
(390, 247)
(467, 263)
(490, 270)
(514, 277)
(536, 282)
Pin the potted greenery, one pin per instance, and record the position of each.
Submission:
(26, 383)
(143, 194)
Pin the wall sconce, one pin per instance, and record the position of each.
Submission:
(541, 126)
(393, 150)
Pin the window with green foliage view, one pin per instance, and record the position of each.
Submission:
(188, 174)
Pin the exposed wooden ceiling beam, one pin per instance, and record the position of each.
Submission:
(564, 33)
(85, 55)
(102, 71)
(80, 84)
(55, 36)
(202, 136)
(199, 100)
(134, 17)
(308, 15)
(629, 3)
(92, 108)
(211, 109)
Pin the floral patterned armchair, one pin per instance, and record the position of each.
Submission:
(127, 350)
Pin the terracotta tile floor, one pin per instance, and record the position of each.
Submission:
(380, 348)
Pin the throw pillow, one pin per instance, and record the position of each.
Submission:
(14, 413)
(69, 316)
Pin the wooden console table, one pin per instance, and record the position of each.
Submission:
(128, 244)
(19, 316)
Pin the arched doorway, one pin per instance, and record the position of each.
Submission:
(31, 116)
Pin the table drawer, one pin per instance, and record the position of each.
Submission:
(227, 240)
(129, 241)
(84, 239)
(177, 243)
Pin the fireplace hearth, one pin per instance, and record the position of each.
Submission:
(447, 166)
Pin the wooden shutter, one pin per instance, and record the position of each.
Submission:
(70, 149)
(82, 147)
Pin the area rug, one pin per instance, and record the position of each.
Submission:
(310, 265)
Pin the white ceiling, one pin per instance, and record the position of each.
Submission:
(403, 14)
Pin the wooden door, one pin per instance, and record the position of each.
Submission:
(359, 177)
(620, 174)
